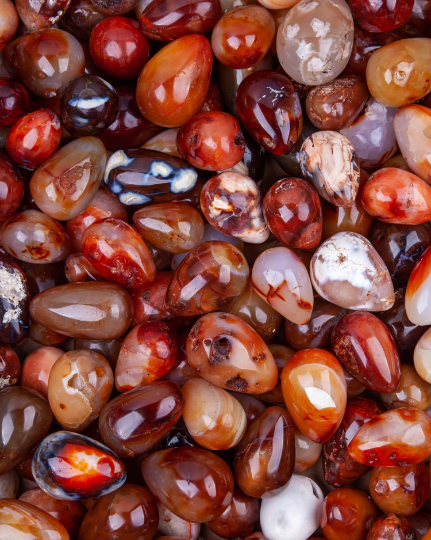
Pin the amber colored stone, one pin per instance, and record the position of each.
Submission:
(401, 490)
(77, 269)
(14, 99)
(412, 391)
(130, 511)
(417, 299)
(319, 406)
(194, 483)
(293, 212)
(102, 206)
(396, 196)
(69, 513)
(239, 518)
(253, 29)
(11, 188)
(118, 253)
(80, 384)
(175, 227)
(347, 514)
(400, 247)
(70, 466)
(213, 100)
(20, 519)
(34, 138)
(391, 527)
(264, 460)
(37, 367)
(133, 423)
(336, 104)
(399, 73)
(16, 406)
(67, 182)
(395, 438)
(269, 107)
(340, 469)
(32, 236)
(213, 417)
(227, 352)
(118, 48)
(148, 353)
(253, 407)
(382, 18)
(178, 102)
(166, 20)
(45, 61)
(316, 333)
(281, 355)
(10, 366)
(421, 522)
(105, 310)
(80, 19)
(41, 277)
(149, 302)
(14, 306)
(366, 350)
(43, 335)
(8, 24)
(307, 452)
(209, 277)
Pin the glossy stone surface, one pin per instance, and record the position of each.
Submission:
(209, 277)
(396, 196)
(317, 381)
(315, 40)
(347, 514)
(45, 61)
(14, 303)
(194, 483)
(102, 206)
(67, 182)
(175, 227)
(18, 518)
(131, 511)
(418, 308)
(411, 125)
(105, 310)
(149, 302)
(41, 277)
(213, 417)
(366, 350)
(80, 383)
(422, 357)
(329, 162)
(118, 253)
(253, 407)
(69, 513)
(80, 19)
(11, 188)
(340, 469)
(8, 24)
(34, 237)
(280, 277)
(395, 438)
(399, 73)
(269, 107)
(10, 367)
(372, 134)
(264, 460)
(166, 20)
(228, 353)
(400, 247)
(383, 17)
(148, 353)
(16, 405)
(88, 105)
(307, 452)
(77, 269)
(182, 97)
(37, 367)
(70, 466)
(257, 313)
(37, 16)
(335, 105)
(130, 128)
(34, 138)
(118, 48)
(401, 490)
(211, 141)
(335, 276)
(295, 508)
(254, 30)
(14, 101)
(232, 204)
(141, 176)
(293, 213)
(412, 391)
(391, 526)
(133, 423)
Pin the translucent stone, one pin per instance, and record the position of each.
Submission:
(418, 293)
(422, 356)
